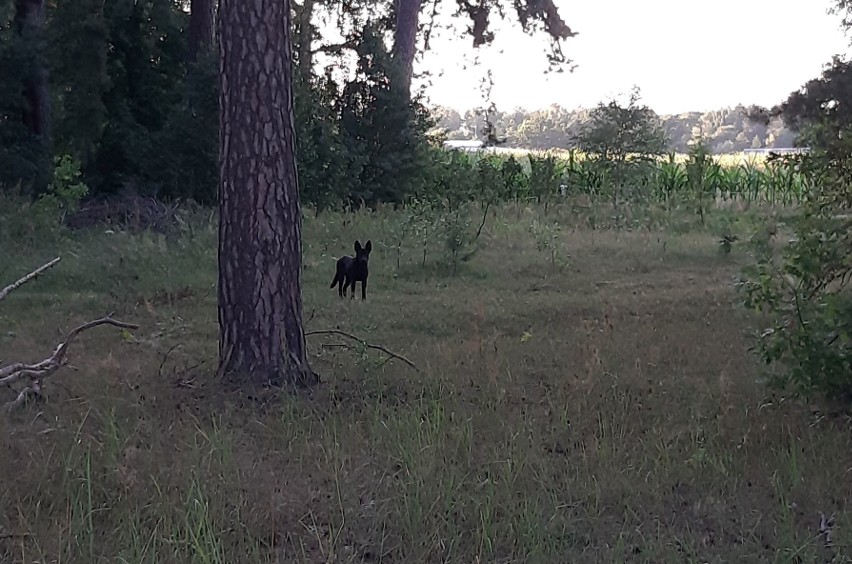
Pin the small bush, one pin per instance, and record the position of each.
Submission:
(64, 194)
(805, 294)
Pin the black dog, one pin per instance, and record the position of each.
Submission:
(353, 269)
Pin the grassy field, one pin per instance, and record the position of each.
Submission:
(601, 409)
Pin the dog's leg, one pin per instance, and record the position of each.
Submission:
(364, 289)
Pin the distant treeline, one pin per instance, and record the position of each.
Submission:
(725, 131)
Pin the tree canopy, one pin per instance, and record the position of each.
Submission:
(615, 131)
(133, 103)
(725, 130)
(804, 288)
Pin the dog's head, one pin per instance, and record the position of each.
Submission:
(362, 254)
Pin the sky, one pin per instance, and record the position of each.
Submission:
(684, 55)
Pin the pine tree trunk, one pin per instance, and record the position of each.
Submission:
(261, 338)
(201, 29)
(405, 40)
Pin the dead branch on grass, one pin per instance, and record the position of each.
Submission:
(364, 343)
(33, 375)
(35, 273)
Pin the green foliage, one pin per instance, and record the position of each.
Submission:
(547, 235)
(325, 163)
(422, 218)
(803, 289)
(672, 180)
(133, 113)
(545, 178)
(124, 102)
(129, 109)
(816, 112)
(382, 128)
(615, 132)
(146, 66)
(622, 140)
(703, 178)
(513, 182)
(187, 167)
(40, 222)
(79, 43)
(456, 225)
(805, 294)
(65, 192)
(24, 157)
(454, 174)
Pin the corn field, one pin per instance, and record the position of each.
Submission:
(669, 181)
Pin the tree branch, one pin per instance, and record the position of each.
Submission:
(336, 48)
(365, 343)
(34, 374)
(37, 372)
(12, 287)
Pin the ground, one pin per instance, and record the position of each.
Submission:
(603, 406)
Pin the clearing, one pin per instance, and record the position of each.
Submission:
(608, 410)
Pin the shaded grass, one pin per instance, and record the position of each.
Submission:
(606, 411)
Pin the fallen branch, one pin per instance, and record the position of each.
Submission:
(32, 375)
(33, 389)
(12, 287)
(365, 343)
(36, 373)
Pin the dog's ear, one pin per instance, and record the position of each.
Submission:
(357, 246)
(369, 246)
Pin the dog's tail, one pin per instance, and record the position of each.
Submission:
(336, 280)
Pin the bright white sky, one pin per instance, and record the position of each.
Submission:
(683, 54)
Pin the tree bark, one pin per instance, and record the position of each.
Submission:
(261, 338)
(405, 40)
(29, 22)
(201, 28)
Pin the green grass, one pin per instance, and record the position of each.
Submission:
(604, 408)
